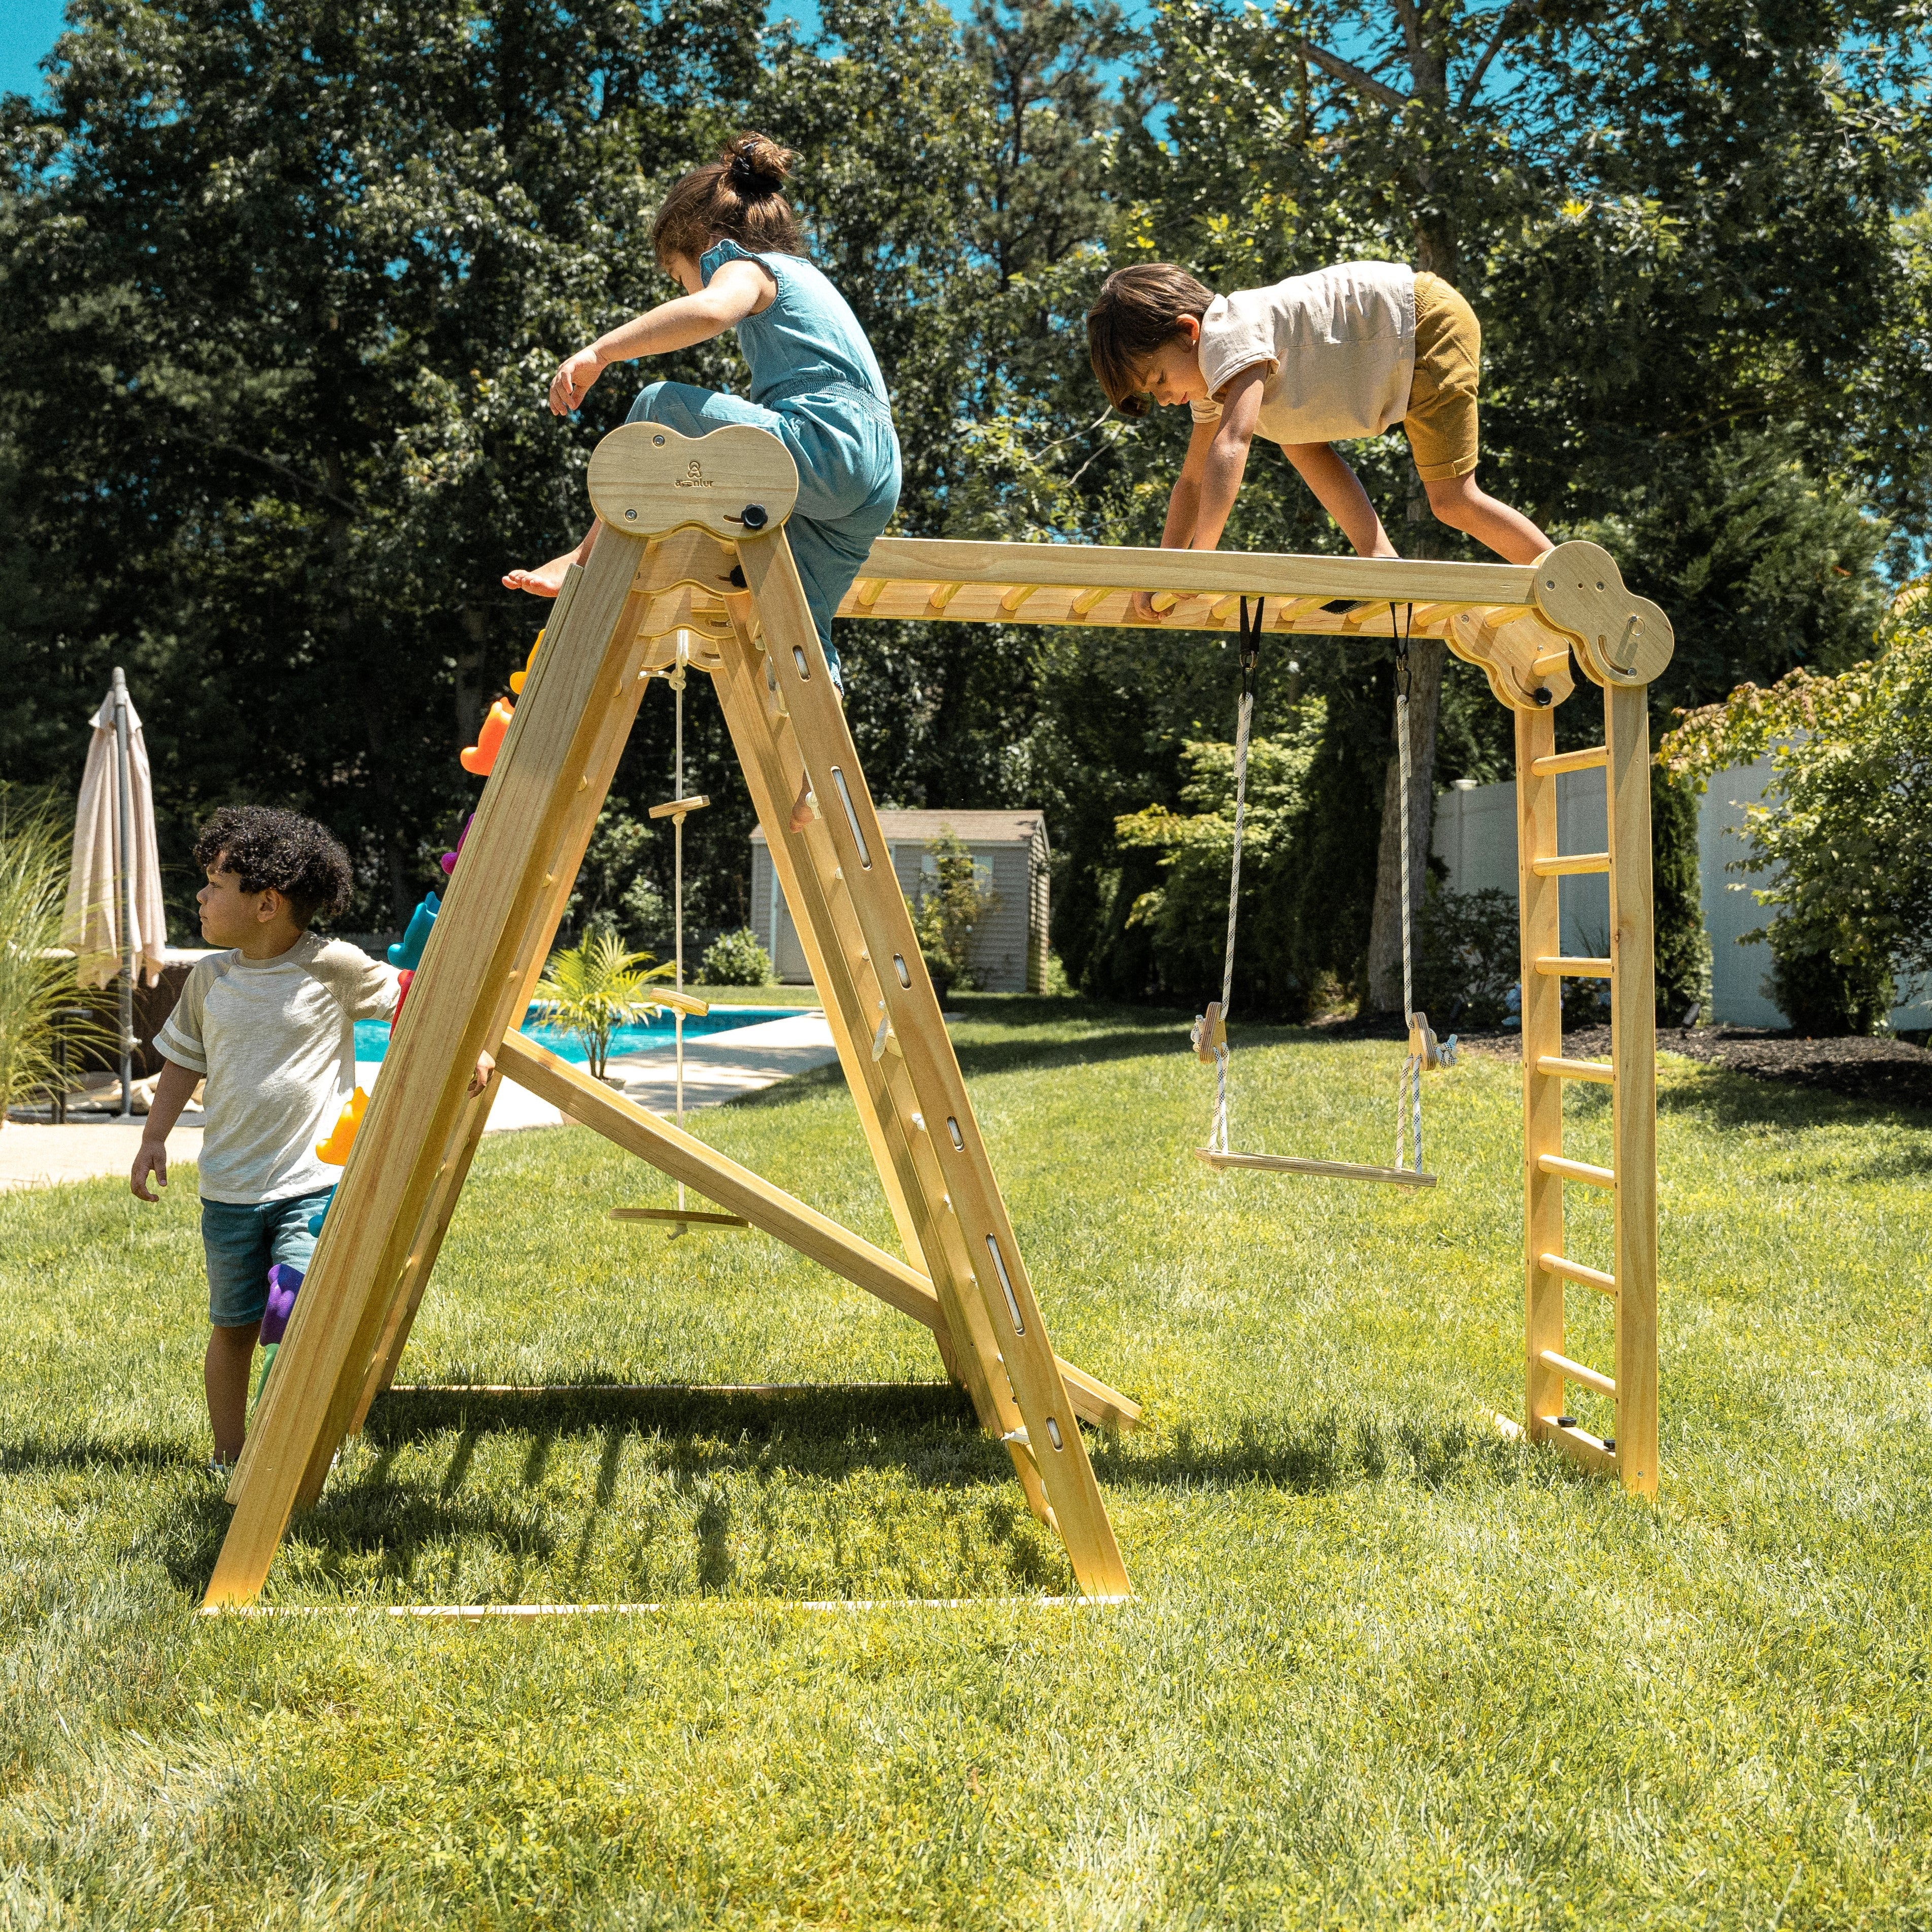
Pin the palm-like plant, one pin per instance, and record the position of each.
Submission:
(590, 989)
(36, 978)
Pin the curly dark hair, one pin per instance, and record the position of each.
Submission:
(281, 851)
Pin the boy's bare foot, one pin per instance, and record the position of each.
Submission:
(546, 580)
(806, 808)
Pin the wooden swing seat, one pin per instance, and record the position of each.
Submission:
(1331, 1170)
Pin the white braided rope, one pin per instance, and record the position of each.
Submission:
(1217, 1140)
(1408, 1089)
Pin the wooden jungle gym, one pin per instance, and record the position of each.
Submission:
(691, 560)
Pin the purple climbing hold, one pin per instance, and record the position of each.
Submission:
(283, 1284)
(449, 859)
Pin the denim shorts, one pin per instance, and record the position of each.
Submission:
(244, 1240)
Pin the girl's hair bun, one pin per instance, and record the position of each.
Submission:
(759, 165)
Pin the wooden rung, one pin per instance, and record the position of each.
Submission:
(1550, 663)
(1576, 1170)
(1331, 1170)
(684, 1216)
(1593, 760)
(678, 805)
(1600, 1071)
(1561, 966)
(1604, 1284)
(1575, 1372)
(1564, 864)
(1015, 597)
(685, 1003)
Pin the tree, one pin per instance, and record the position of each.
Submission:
(1843, 842)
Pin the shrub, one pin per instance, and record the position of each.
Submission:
(736, 959)
(36, 979)
(1842, 836)
(590, 989)
(949, 910)
(1466, 957)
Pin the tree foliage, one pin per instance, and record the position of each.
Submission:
(1842, 843)
(281, 285)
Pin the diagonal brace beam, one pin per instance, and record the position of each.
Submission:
(769, 1209)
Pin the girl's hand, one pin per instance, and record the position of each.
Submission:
(573, 381)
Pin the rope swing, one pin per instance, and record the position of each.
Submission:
(1209, 1035)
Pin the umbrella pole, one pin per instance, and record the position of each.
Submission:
(124, 775)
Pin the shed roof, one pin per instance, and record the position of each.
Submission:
(976, 828)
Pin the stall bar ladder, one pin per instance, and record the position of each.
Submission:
(1629, 1073)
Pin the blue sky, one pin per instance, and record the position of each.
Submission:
(28, 29)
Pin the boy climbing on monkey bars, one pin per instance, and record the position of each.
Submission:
(1318, 359)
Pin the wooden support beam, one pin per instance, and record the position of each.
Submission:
(752, 1199)
(1036, 1389)
(474, 971)
(1633, 1101)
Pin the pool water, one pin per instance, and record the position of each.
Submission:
(372, 1037)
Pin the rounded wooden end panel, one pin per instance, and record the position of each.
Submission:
(647, 481)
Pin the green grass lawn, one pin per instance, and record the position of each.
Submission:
(1384, 1667)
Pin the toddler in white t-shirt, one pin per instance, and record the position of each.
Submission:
(1318, 359)
(269, 1023)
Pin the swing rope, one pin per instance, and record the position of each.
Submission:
(1251, 652)
(1210, 1030)
(1408, 1089)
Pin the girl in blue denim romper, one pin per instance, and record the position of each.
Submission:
(727, 233)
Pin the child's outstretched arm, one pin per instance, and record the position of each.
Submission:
(739, 289)
(1210, 476)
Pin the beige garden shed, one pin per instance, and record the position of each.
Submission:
(1010, 853)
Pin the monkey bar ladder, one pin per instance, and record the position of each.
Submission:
(692, 543)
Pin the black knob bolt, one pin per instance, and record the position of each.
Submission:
(755, 518)
(1544, 697)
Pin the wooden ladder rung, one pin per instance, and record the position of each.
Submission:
(1565, 865)
(1576, 1170)
(677, 806)
(1604, 1284)
(1575, 1372)
(1600, 1071)
(1562, 966)
(1597, 757)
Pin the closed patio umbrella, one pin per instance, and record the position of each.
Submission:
(114, 920)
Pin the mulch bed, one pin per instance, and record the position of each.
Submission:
(1884, 1071)
(1890, 1073)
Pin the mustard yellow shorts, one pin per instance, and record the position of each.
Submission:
(1440, 423)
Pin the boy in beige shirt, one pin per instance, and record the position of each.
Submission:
(269, 1023)
(1346, 352)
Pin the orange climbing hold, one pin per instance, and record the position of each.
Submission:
(529, 664)
(480, 760)
(335, 1149)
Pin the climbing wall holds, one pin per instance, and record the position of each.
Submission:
(449, 859)
(408, 951)
(480, 760)
(342, 1137)
(517, 677)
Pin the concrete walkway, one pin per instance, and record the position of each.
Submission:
(718, 1067)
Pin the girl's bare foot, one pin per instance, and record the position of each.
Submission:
(804, 810)
(546, 580)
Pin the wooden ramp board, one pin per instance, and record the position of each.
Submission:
(1327, 1170)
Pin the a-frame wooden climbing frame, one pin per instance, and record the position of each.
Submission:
(691, 540)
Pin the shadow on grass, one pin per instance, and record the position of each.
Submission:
(1734, 1101)
(33, 1454)
(379, 1529)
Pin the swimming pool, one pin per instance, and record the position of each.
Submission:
(372, 1037)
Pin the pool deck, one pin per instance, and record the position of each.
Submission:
(718, 1067)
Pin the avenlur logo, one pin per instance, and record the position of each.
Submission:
(695, 478)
